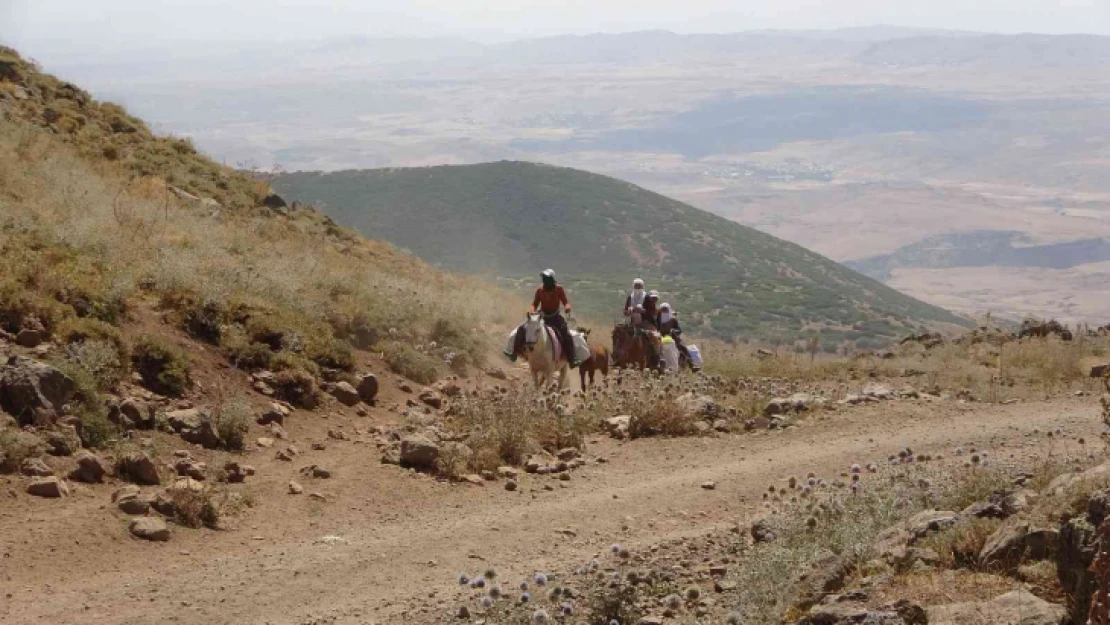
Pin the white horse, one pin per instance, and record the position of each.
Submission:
(541, 353)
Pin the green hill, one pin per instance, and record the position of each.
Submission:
(510, 220)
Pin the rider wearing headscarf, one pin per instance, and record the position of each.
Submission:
(651, 302)
(636, 297)
(667, 325)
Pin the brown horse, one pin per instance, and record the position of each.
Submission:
(634, 347)
(598, 361)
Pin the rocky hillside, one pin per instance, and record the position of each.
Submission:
(152, 298)
(511, 220)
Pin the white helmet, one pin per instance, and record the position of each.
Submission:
(653, 294)
(664, 306)
(638, 283)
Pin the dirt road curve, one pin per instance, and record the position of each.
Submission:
(394, 538)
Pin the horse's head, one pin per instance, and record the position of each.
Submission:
(533, 330)
(585, 332)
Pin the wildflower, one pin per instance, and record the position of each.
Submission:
(540, 616)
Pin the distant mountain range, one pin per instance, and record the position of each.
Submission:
(510, 220)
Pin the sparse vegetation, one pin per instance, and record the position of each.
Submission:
(163, 367)
(232, 423)
(410, 362)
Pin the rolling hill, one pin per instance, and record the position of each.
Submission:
(510, 220)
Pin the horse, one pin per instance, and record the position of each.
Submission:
(538, 348)
(634, 347)
(598, 361)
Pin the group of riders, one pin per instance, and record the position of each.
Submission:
(642, 309)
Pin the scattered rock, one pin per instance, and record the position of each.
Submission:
(345, 393)
(274, 413)
(823, 577)
(288, 453)
(510, 485)
(62, 440)
(295, 488)
(236, 473)
(139, 468)
(617, 427)
(568, 454)
(368, 387)
(1014, 542)
(35, 467)
(194, 425)
(150, 528)
(29, 338)
(1018, 607)
(133, 504)
(32, 391)
(190, 468)
(418, 452)
(508, 472)
(431, 398)
(709, 485)
(90, 469)
(47, 487)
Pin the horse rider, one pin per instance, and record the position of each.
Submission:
(667, 324)
(635, 298)
(651, 313)
(548, 297)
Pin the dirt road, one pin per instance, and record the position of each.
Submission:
(388, 543)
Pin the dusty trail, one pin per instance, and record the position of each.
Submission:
(421, 533)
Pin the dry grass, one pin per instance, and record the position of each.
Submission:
(1030, 368)
(959, 546)
(83, 239)
(946, 586)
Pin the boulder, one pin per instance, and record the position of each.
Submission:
(32, 391)
(30, 337)
(368, 387)
(1014, 543)
(139, 413)
(194, 425)
(90, 469)
(878, 391)
(236, 473)
(617, 427)
(274, 413)
(825, 576)
(188, 467)
(1076, 550)
(345, 393)
(47, 487)
(139, 468)
(1018, 607)
(150, 528)
(35, 467)
(62, 440)
(431, 398)
(274, 201)
(418, 452)
(133, 504)
(850, 614)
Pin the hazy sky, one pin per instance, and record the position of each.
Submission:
(53, 27)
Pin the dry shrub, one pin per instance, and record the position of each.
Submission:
(454, 460)
(16, 446)
(946, 586)
(506, 428)
(297, 387)
(659, 415)
(404, 359)
(163, 367)
(959, 546)
(232, 423)
(191, 507)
